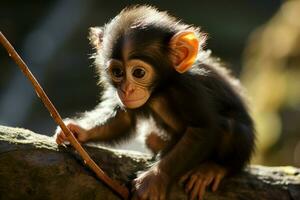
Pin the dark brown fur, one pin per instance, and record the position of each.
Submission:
(202, 110)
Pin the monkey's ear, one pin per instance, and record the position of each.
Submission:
(185, 46)
(96, 36)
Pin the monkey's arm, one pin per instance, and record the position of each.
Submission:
(106, 123)
(114, 129)
(195, 146)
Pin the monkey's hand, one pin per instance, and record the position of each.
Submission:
(151, 185)
(198, 179)
(79, 133)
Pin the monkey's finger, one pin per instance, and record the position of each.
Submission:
(141, 193)
(202, 190)
(209, 180)
(63, 139)
(63, 136)
(196, 188)
(217, 181)
(73, 128)
(190, 184)
(154, 197)
(162, 193)
(185, 177)
(162, 196)
(144, 196)
(60, 139)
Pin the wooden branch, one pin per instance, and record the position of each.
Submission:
(120, 189)
(40, 180)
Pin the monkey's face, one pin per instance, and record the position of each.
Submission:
(133, 80)
(142, 57)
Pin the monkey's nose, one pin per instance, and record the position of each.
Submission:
(127, 89)
(128, 92)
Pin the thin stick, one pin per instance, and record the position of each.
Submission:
(121, 190)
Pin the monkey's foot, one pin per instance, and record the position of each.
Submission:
(201, 177)
(155, 143)
(150, 185)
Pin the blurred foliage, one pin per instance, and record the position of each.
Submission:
(272, 76)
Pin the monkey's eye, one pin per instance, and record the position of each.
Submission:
(139, 73)
(117, 72)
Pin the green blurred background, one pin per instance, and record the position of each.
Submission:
(259, 39)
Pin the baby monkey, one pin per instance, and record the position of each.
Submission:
(151, 64)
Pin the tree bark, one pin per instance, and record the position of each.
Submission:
(32, 166)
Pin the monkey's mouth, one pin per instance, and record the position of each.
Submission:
(133, 103)
(128, 101)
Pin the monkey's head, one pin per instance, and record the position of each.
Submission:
(141, 49)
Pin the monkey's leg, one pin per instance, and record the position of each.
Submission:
(232, 136)
(155, 182)
(116, 128)
(155, 142)
(199, 178)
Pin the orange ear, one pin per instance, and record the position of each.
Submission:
(185, 45)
